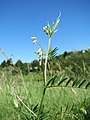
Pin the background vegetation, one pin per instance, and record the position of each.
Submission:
(62, 103)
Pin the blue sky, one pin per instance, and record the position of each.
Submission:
(22, 19)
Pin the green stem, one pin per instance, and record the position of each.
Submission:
(46, 60)
(45, 79)
(41, 103)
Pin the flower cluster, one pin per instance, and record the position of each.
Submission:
(51, 31)
(47, 30)
(34, 40)
(40, 51)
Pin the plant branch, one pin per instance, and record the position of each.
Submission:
(25, 105)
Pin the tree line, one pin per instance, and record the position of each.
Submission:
(65, 61)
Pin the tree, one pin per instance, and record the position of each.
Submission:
(3, 64)
(35, 65)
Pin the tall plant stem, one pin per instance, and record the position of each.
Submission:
(45, 72)
(45, 79)
(41, 103)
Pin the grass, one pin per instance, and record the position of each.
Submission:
(55, 101)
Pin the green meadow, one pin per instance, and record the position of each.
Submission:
(70, 102)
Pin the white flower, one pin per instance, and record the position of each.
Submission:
(44, 28)
(40, 52)
(40, 55)
(34, 40)
(47, 30)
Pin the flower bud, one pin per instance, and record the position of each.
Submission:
(34, 40)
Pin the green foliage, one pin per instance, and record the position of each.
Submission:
(57, 102)
(64, 81)
(24, 67)
(52, 53)
(3, 64)
(6, 63)
(35, 65)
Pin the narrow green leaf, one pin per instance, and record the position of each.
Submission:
(67, 83)
(66, 108)
(62, 76)
(74, 83)
(35, 109)
(52, 53)
(61, 109)
(56, 23)
(51, 80)
(77, 82)
(72, 107)
(82, 83)
(27, 116)
(64, 79)
(88, 84)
